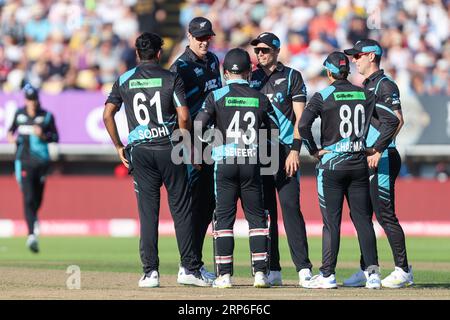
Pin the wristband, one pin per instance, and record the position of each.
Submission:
(297, 145)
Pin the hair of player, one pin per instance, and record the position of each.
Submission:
(148, 45)
(377, 60)
(342, 75)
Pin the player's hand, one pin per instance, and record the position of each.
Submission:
(121, 152)
(38, 131)
(373, 160)
(11, 138)
(292, 163)
(319, 154)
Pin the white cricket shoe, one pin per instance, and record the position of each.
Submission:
(398, 279)
(206, 274)
(274, 278)
(373, 281)
(223, 281)
(304, 275)
(321, 282)
(149, 280)
(261, 280)
(32, 243)
(194, 279)
(357, 279)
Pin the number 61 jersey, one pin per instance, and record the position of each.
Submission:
(150, 95)
(346, 111)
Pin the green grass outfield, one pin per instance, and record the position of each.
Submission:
(430, 257)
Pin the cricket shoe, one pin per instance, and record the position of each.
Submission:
(193, 278)
(32, 243)
(149, 280)
(222, 282)
(261, 280)
(304, 275)
(274, 278)
(373, 281)
(206, 274)
(398, 279)
(321, 282)
(357, 279)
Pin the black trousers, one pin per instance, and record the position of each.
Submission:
(289, 194)
(201, 184)
(333, 186)
(242, 181)
(382, 195)
(31, 177)
(150, 169)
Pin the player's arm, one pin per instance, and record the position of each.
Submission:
(389, 96)
(293, 160)
(110, 124)
(298, 104)
(388, 127)
(206, 113)
(112, 105)
(179, 100)
(12, 129)
(311, 112)
(49, 132)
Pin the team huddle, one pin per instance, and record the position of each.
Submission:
(357, 159)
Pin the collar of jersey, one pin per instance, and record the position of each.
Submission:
(374, 75)
(194, 57)
(239, 81)
(343, 81)
(279, 67)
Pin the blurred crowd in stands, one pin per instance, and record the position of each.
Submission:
(87, 44)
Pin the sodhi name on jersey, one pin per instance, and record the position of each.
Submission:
(152, 133)
(349, 146)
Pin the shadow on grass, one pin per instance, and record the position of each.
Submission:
(431, 286)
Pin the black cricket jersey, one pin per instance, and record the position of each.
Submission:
(388, 94)
(30, 147)
(150, 95)
(238, 112)
(283, 86)
(200, 77)
(346, 111)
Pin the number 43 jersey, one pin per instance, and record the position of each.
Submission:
(345, 111)
(149, 95)
(238, 113)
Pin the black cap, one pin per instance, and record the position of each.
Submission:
(268, 38)
(31, 93)
(237, 61)
(337, 62)
(200, 27)
(363, 46)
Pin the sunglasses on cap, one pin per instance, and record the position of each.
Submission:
(358, 55)
(203, 38)
(263, 50)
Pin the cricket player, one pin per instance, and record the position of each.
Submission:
(287, 92)
(367, 56)
(200, 71)
(238, 113)
(35, 128)
(346, 112)
(154, 102)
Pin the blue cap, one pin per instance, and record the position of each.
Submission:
(364, 46)
(337, 62)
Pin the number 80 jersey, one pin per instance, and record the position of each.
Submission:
(150, 95)
(345, 111)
